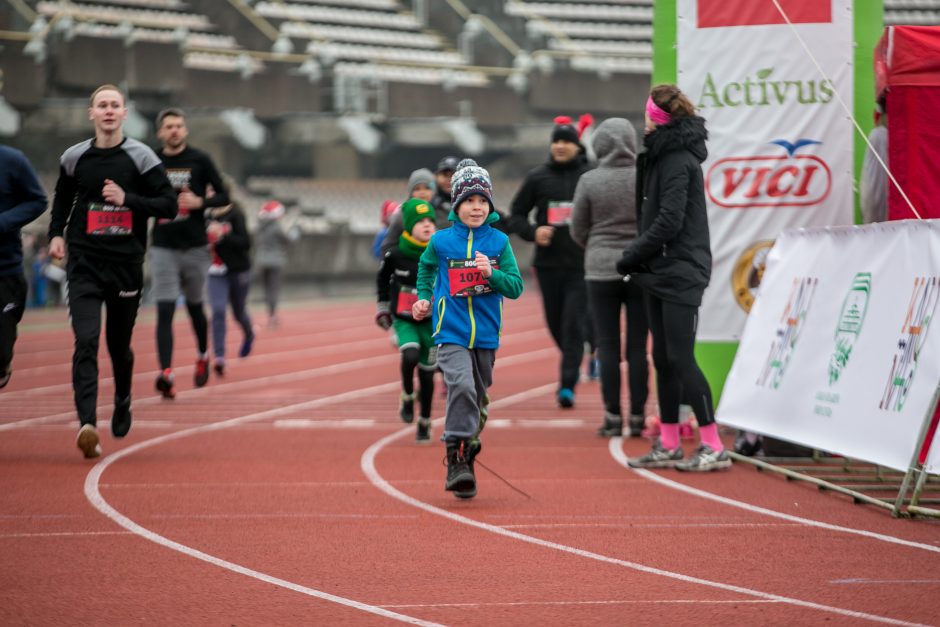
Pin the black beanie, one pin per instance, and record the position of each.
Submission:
(566, 132)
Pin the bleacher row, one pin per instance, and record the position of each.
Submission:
(608, 36)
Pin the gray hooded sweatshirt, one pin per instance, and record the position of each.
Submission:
(604, 216)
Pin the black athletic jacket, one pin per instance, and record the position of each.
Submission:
(95, 228)
(193, 169)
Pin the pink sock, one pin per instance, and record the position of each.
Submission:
(669, 436)
(709, 436)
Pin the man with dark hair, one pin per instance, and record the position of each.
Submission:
(22, 200)
(179, 256)
(108, 188)
(442, 176)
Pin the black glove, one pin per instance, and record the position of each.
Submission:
(626, 265)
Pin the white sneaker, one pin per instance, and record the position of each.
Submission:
(88, 441)
(705, 459)
(658, 457)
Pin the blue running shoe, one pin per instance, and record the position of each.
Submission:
(566, 398)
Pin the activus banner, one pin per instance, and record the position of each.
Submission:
(841, 351)
(780, 144)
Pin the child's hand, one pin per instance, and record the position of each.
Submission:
(483, 265)
(421, 309)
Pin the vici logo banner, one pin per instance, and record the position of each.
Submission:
(780, 146)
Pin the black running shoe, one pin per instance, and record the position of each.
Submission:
(164, 384)
(460, 478)
(406, 410)
(121, 418)
(474, 447)
(423, 434)
(612, 427)
(637, 422)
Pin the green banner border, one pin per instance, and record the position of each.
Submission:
(716, 358)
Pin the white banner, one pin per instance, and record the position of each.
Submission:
(840, 352)
(780, 145)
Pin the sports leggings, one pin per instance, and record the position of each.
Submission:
(679, 378)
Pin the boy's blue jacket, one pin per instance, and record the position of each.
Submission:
(469, 321)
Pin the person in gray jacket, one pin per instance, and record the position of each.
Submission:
(271, 252)
(604, 222)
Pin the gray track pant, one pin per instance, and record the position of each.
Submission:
(468, 373)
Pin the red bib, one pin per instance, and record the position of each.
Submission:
(465, 279)
(559, 212)
(407, 297)
(109, 220)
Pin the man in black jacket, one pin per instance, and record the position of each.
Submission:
(108, 188)
(22, 200)
(559, 261)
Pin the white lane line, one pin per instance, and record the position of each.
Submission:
(288, 516)
(242, 385)
(55, 534)
(629, 525)
(93, 495)
(623, 602)
(616, 451)
(367, 463)
(885, 581)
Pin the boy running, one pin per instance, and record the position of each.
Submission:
(467, 269)
(397, 293)
(108, 188)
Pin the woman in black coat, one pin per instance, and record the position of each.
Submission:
(671, 260)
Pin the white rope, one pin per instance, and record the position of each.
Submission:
(846, 109)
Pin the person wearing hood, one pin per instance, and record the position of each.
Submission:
(604, 222)
(466, 271)
(559, 261)
(421, 185)
(671, 260)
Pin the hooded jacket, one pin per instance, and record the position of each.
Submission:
(604, 217)
(672, 258)
(551, 181)
(473, 321)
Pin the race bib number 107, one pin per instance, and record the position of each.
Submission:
(465, 279)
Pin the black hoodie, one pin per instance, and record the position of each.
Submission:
(551, 181)
(672, 256)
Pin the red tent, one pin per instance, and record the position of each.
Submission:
(907, 71)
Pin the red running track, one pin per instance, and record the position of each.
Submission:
(289, 493)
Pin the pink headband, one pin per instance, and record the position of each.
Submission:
(656, 114)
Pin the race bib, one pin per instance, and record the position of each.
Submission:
(465, 279)
(559, 212)
(407, 297)
(106, 219)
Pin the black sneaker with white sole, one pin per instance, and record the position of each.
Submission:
(705, 459)
(612, 426)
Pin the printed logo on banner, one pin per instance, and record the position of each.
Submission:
(849, 327)
(748, 272)
(719, 13)
(770, 180)
(788, 331)
(764, 91)
(851, 319)
(913, 333)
